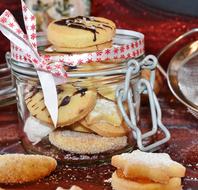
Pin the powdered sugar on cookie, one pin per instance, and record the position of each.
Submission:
(105, 110)
(85, 143)
(158, 167)
(151, 159)
(102, 104)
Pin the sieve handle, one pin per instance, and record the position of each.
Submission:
(171, 44)
(125, 93)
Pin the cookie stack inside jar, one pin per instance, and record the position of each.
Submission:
(90, 126)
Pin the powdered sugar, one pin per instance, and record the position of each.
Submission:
(85, 143)
(148, 159)
(103, 105)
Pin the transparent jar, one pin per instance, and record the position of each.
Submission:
(91, 84)
(98, 109)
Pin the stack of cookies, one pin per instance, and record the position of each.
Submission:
(146, 171)
(89, 121)
(81, 34)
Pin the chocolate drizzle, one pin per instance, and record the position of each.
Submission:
(36, 108)
(79, 23)
(59, 90)
(80, 91)
(65, 101)
(43, 108)
(34, 105)
(33, 92)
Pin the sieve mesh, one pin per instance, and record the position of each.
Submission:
(186, 72)
(188, 79)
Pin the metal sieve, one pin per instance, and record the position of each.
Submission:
(182, 73)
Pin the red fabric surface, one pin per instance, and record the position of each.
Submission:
(160, 27)
(14, 7)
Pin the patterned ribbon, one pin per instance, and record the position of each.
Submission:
(50, 69)
(24, 47)
(27, 43)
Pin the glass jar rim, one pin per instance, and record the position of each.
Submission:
(122, 37)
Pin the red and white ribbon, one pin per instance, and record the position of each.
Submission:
(131, 50)
(24, 49)
(24, 46)
(27, 44)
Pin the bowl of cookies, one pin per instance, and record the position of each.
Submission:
(98, 103)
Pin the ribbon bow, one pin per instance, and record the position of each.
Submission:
(24, 49)
(28, 44)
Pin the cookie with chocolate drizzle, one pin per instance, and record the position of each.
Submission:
(81, 33)
(74, 104)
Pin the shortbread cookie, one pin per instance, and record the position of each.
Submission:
(36, 130)
(79, 128)
(158, 167)
(105, 119)
(108, 91)
(85, 143)
(104, 111)
(20, 168)
(105, 129)
(119, 182)
(74, 104)
(114, 61)
(80, 32)
(78, 50)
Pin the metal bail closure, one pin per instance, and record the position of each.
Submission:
(125, 93)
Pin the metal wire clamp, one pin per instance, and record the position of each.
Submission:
(125, 93)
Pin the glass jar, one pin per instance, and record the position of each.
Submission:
(98, 109)
(100, 91)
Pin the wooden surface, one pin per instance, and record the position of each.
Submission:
(182, 147)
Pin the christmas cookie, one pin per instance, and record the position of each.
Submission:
(85, 143)
(105, 119)
(73, 105)
(108, 91)
(120, 182)
(79, 128)
(98, 47)
(104, 110)
(81, 32)
(156, 167)
(20, 168)
(105, 129)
